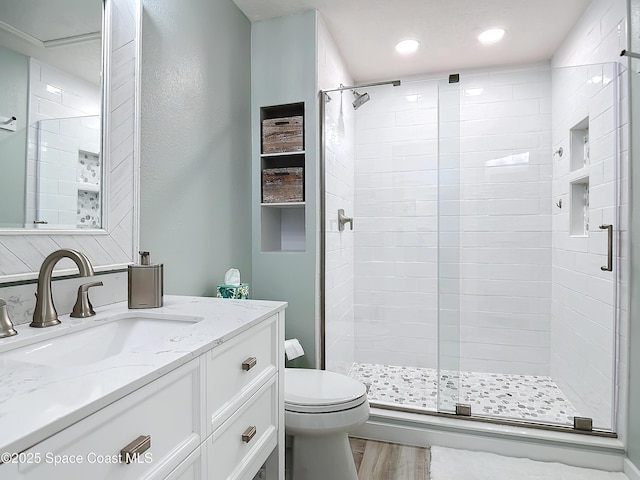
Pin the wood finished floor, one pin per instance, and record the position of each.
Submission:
(389, 461)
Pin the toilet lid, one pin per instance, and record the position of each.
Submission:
(317, 391)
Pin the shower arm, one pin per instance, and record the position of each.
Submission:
(627, 53)
(395, 83)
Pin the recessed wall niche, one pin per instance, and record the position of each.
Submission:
(580, 149)
(282, 165)
(579, 226)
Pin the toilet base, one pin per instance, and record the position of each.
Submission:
(323, 457)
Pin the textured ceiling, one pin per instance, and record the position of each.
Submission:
(46, 20)
(366, 31)
(52, 19)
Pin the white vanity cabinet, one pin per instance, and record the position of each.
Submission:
(166, 410)
(192, 468)
(217, 417)
(243, 402)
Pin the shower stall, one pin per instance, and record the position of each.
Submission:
(481, 275)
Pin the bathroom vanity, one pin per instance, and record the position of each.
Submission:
(192, 390)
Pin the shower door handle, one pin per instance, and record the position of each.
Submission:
(609, 266)
(342, 219)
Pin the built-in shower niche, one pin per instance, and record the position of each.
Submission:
(88, 177)
(89, 211)
(579, 221)
(580, 145)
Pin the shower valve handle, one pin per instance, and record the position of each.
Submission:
(342, 219)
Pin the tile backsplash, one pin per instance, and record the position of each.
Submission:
(21, 299)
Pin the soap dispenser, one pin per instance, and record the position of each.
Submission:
(145, 283)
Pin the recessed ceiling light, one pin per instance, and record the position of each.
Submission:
(492, 36)
(407, 47)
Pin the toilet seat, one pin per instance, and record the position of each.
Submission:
(320, 391)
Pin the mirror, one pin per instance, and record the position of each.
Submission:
(93, 132)
(50, 59)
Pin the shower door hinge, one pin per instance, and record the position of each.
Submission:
(463, 410)
(583, 424)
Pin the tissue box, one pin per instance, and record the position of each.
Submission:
(233, 291)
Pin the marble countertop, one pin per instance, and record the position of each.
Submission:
(36, 401)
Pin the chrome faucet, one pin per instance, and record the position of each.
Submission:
(45, 314)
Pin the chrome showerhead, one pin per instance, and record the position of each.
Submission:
(361, 99)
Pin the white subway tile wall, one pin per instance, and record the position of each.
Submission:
(339, 193)
(63, 121)
(505, 221)
(499, 215)
(519, 290)
(396, 194)
(583, 310)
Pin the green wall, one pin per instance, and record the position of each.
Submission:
(13, 145)
(195, 205)
(283, 68)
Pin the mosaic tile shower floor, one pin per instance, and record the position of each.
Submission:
(521, 397)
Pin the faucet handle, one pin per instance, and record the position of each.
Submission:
(83, 307)
(6, 326)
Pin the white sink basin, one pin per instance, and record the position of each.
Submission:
(100, 342)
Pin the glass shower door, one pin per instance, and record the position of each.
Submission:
(448, 383)
(528, 222)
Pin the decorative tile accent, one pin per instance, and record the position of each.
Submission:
(89, 170)
(521, 397)
(89, 209)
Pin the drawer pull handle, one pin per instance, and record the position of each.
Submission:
(135, 448)
(248, 434)
(249, 363)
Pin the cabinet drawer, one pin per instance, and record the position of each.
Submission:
(238, 368)
(230, 452)
(190, 469)
(167, 410)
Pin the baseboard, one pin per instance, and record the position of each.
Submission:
(630, 470)
(607, 454)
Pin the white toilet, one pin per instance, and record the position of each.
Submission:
(320, 407)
